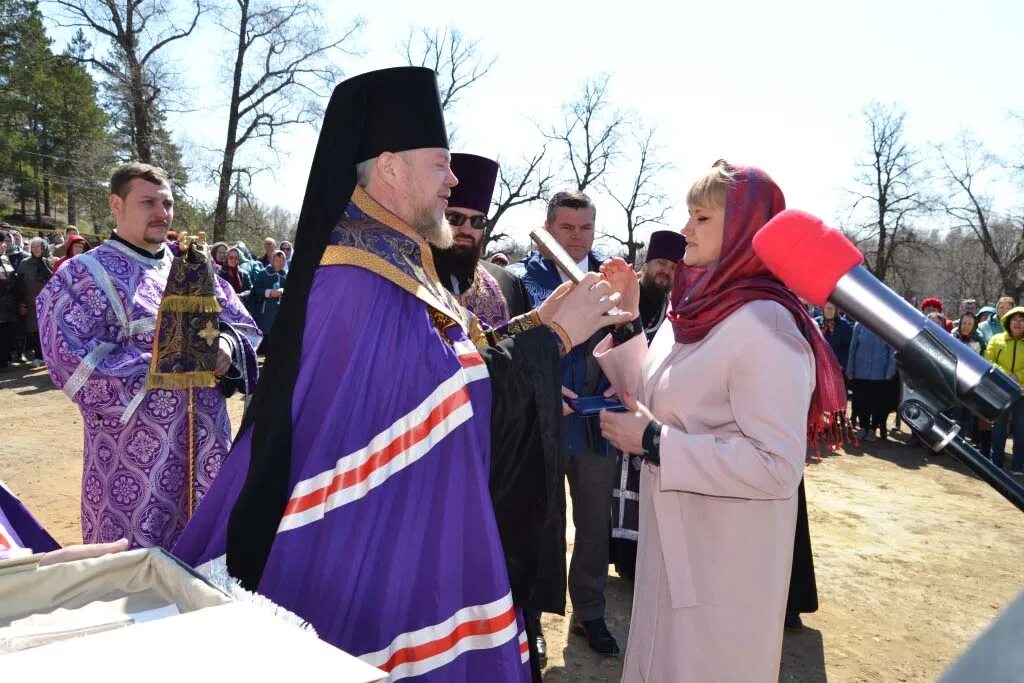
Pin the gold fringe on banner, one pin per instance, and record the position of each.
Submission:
(176, 303)
(180, 380)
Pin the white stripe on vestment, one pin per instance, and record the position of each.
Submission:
(627, 534)
(627, 494)
(135, 403)
(102, 279)
(358, 490)
(476, 372)
(464, 347)
(85, 368)
(142, 326)
(357, 459)
(400, 426)
(444, 629)
(524, 655)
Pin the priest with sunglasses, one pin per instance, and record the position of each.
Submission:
(492, 293)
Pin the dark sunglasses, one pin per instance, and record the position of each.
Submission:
(456, 219)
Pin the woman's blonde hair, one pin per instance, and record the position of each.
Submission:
(712, 188)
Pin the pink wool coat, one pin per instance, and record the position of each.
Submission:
(717, 518)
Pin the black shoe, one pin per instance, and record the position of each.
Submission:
(598, 636)
(539, 643)
(794, 623)
(541, 646)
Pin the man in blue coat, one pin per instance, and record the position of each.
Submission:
(590, 461)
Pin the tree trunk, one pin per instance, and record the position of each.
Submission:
(72, 208)
(227, 167)
(46, 196)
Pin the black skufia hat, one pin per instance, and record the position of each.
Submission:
(476, 176)
(391, 110)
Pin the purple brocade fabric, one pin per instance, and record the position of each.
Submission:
(97, 318)
(485, 299)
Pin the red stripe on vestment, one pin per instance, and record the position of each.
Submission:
(471, 360)
(382, 457)
(480, 627)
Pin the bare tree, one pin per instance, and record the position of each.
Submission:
(138, 31)
(964, 169)
(589, 133)
(643, 201)
(518, 185)
(283, 69)
(889, 191)
(455, 59)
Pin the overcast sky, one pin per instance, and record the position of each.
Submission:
(777, 85)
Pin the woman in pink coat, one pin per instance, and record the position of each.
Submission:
(723, 402)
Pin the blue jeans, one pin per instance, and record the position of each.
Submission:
(999, 428)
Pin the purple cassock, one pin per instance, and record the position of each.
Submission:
(388, 545)
(19, 530)
(97, 318)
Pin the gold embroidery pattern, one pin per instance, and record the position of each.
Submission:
(367, 243)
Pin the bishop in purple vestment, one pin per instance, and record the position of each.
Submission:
(97, 318)
(357, 496)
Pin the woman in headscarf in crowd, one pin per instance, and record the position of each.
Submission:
(33, 274)
(219, 253)
(267, 290)
(287, 248)
(76, 245)
(722, 407)
(236, 276)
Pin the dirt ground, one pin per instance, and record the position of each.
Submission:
(914, 555)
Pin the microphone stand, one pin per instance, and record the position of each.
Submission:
(929, 371)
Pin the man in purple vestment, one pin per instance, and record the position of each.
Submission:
(357, 494)
(144, 460)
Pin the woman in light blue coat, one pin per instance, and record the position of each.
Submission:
(871, 369)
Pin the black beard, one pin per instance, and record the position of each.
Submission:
(650, 282)
(457, 260)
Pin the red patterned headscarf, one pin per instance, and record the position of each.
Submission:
(703, 297)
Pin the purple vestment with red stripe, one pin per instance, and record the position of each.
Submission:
(389, 545)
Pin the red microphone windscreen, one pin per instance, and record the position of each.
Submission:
(805, 254)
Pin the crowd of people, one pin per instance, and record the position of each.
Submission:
(869, 364)
(398, 479)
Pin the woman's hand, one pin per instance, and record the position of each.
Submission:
(625, 431)
(623, 280)
(584, 309)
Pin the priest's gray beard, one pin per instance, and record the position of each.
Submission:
(435, 232)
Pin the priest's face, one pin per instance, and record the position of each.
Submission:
(467, 239)
(144, 214)
(657, 274)
(428, 183)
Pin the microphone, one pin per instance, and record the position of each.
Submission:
(819, 264)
